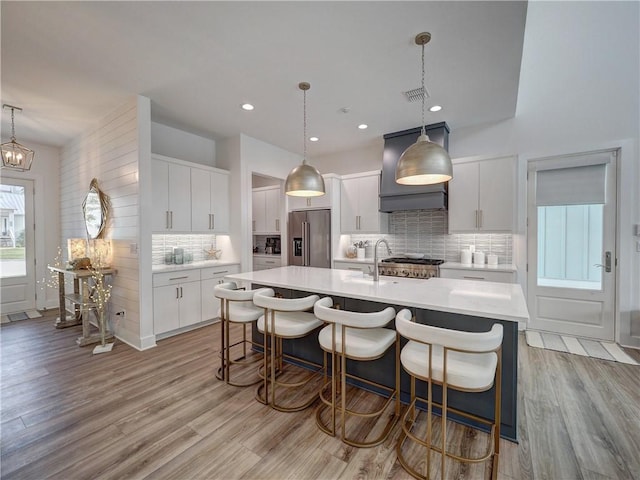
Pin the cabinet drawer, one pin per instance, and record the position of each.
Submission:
(177, 277)
(357, 267)
(218, 272)
(262, 262)
(480, 275)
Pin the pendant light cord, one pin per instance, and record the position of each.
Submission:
(304, 123)
(13, 127)
(423, 91)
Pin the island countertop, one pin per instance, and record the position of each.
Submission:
(501, 301)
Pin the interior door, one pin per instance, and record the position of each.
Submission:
(572, 245)
(17, 246)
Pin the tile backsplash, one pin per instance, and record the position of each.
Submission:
(193, 244)
(425, 231)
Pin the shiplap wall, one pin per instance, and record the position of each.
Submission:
(108, 152)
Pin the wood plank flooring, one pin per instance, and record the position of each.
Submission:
(161, 414)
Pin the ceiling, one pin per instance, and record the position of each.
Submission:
(67, 64)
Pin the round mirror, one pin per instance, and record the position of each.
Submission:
(96, 209)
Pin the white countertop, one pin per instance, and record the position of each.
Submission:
(192, 265)
(502, 301)
(501, 267)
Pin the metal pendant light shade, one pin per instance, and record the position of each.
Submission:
(424, 162)
(15, 156)
(304, 180)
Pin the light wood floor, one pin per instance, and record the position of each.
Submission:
(161, 413)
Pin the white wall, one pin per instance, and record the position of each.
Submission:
(109, 152)
(243, 156)
(45, 176)
(579, 91)
(352, 161)
(171, 142)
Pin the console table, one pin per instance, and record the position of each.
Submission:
(82, 303)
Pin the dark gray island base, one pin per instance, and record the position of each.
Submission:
(382, 370)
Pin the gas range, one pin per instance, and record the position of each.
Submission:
(410, 267)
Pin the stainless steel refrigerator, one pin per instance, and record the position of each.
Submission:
(310, 238)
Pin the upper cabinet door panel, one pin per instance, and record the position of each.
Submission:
(497, 201)
(220, 202)
(200, 200)
(160, 196)
(180, 198)
(463, 198)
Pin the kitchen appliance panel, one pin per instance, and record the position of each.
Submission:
(310, 238)
(319, 238)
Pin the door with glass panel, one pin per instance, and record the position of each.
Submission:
(571, 244)
(17, 268)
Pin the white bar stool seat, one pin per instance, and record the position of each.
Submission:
(236, 306)
(284, 319)
(360, 337)
(463, 361)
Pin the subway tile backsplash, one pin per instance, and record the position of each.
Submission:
(425, 231)
(193, 244)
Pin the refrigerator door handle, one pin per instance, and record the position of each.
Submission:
(305, 244)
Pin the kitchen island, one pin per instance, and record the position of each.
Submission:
(448, 303)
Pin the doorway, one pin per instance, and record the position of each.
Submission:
(17, 246)
(571, 238)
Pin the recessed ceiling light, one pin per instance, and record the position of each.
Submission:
(362, 126)
(313, 139)
(247, 106)
(435, 108)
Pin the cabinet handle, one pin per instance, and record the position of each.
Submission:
(166, 219)
(473, 278)
(253, 223)
(220, 272)
(180, 292)
(480, 216)
(308, 202)
(177, 292)
(171, 219)
(476, 218)
(269, 262)
(213, 221)
(355, 268)
(179, 278)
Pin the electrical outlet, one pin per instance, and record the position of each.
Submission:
(121, 313)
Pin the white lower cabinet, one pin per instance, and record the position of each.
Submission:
(265, 263)
(176, 300)
(478, 274)
(357, 267)
(210, 277)
(185, 297)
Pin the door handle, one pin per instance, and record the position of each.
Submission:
(607, 262)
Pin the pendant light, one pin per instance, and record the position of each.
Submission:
(304, 180)
(15, 156)
(424, 162)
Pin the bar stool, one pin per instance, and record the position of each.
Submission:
(236, 306)
(463, 361)
(360, 337)
(284, 319)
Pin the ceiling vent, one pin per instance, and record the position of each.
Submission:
(417, 94)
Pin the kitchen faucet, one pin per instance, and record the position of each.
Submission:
(376, 275)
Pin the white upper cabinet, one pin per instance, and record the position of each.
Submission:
(482, 196)
(210, 201)
(266, 210)
(171, 197)
(188, 197)
(323, 201)
(359, 200)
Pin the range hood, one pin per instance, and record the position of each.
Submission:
(393, 196)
